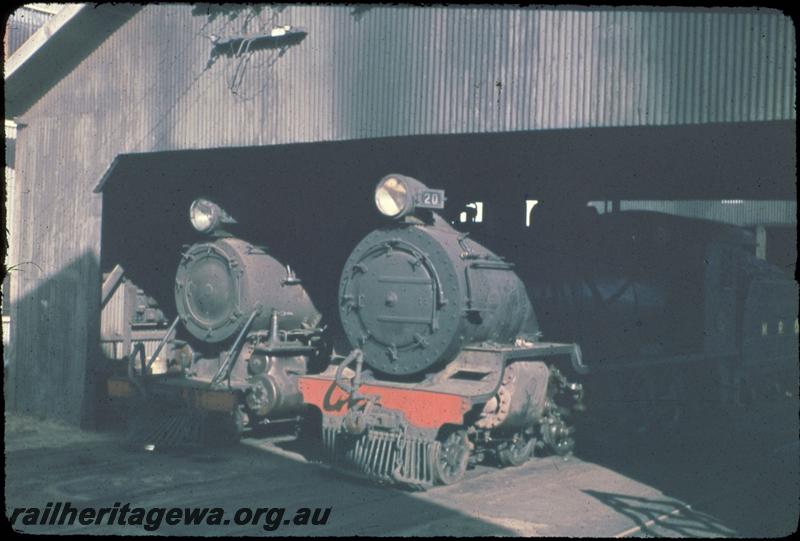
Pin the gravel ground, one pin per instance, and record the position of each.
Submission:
(721, 485)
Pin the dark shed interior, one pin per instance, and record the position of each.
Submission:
(311, 203)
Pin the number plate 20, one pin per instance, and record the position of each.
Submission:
(430, 199)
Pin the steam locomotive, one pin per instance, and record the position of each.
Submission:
(447, 366)
(252, 330)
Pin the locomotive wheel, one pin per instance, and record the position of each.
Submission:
(450, 457)
(517, 451)
(557, 435)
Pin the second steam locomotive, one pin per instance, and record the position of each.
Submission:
(252, 330)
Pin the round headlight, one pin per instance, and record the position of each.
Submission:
(392, 197)
(204, 215)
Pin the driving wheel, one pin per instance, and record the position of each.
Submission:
(450, 457)
(517, 451)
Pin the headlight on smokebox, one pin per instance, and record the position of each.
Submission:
(393, 198)
(397, 196)
(206, 216)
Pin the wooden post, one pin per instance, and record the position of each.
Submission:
(110, 284)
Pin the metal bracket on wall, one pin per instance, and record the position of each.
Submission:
(280, 37)
(242, 47)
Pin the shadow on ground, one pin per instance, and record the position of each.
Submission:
(662, 518)
(742, 469)
(101, 473)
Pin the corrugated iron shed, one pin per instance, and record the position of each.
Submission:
(21, 25)
(385, 71)
(118, 79)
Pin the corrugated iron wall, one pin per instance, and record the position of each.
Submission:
(21, 25)
(406, 71)
(54, 291)
(360, 72)
(736, 212)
